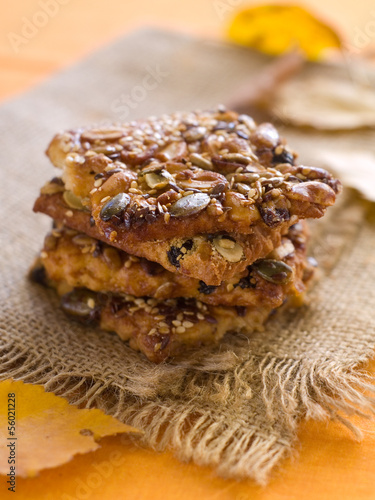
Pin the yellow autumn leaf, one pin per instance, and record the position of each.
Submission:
(276, 29)
(40, 430)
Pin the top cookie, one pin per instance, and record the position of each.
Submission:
(189, 173)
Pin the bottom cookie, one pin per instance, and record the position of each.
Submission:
(160, 329)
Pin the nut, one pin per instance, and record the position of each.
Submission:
(167, 197)
(175, 149)
(228, 248)
(282, 251)
(158, 180)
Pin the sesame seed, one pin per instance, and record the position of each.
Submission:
(106, 198)
(176, 322)
(187, 324)
(152, 331)
(98, 183)
(180, 329)
(164, 329)
(44, 255)
(69, 213)
(230, 287)
(200, 316)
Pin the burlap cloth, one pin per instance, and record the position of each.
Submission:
(234, 407)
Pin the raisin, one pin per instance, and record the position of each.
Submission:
(284, 157)
(174, 255)
(206, 289)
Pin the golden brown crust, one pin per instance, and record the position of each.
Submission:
(236, 175)
(84, 262)
(201, 260)
(159, 329)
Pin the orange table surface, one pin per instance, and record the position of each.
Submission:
(328, 463)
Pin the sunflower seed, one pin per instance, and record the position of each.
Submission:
(82, 240)
(237, 158)
(201, 161)
(110, 134)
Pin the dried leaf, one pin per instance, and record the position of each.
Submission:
(48, 430)
(354, 169)
(325, 103)
(275, 29)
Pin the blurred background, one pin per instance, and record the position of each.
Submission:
(39, 37)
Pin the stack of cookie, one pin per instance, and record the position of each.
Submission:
(172, 231)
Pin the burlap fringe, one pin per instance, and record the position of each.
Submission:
(235, 448)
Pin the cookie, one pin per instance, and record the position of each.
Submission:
(186, 174)
(85, 262)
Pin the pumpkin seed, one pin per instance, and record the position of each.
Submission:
(274, 271)
(228, 248)
(189, 205)
(201, 161)
(72, 200)
(158, 180)
(77, 303)
(115, 206)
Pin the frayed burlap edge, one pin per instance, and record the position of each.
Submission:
(237, 450)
